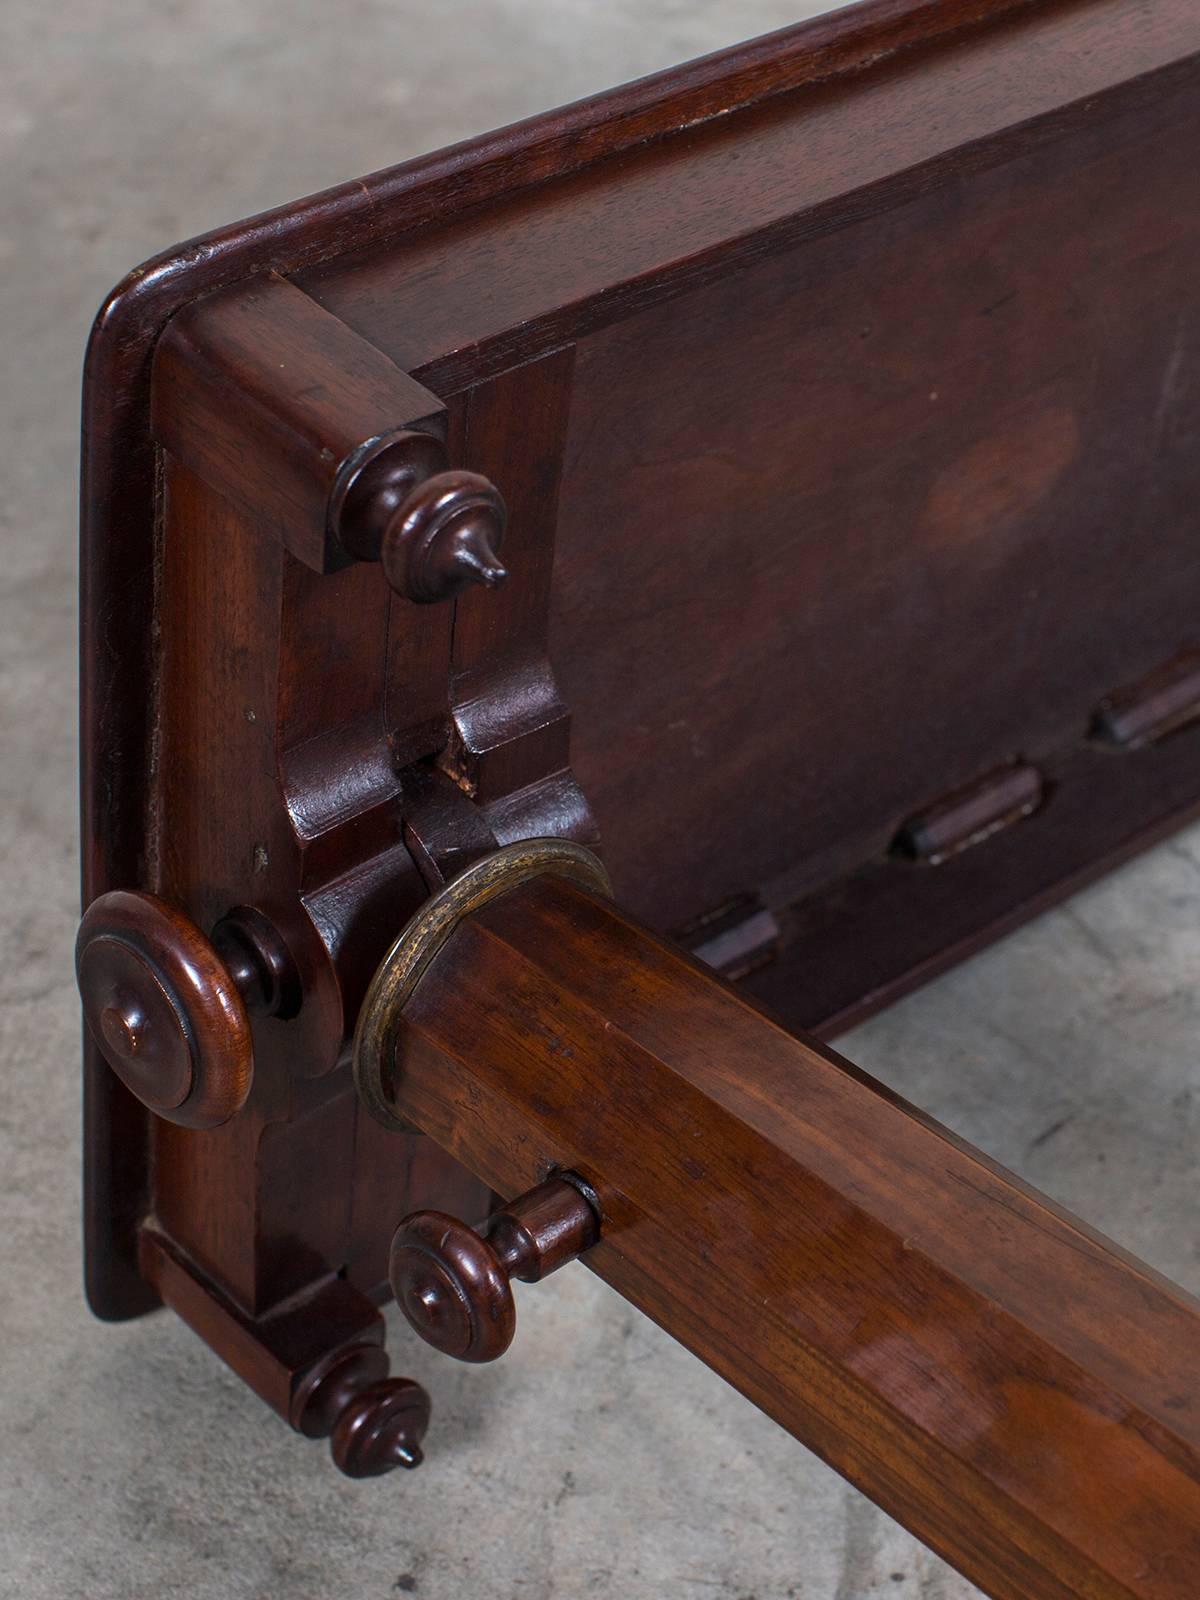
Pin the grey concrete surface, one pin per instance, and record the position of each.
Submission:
(598, 1459)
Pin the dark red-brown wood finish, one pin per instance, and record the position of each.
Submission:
(781, 473)
(1007, 1383)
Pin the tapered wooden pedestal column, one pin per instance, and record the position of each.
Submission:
(1017, 1391)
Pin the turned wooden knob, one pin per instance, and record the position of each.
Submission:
(168, 1013)
(445, 537)
(381, 1429)
(374, 1422)
(436, 532)
(453, 1283)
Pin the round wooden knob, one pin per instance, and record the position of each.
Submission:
(453, 1283)
(452, 1287)
(164, 1009)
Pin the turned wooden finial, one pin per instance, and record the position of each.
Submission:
(453, 1283)
(374, 1422)
(435, 531)
(444, 538)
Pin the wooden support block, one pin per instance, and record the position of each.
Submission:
(271, 400)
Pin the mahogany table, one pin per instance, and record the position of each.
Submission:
(571, 623)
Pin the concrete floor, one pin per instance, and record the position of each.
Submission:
(598, 1459)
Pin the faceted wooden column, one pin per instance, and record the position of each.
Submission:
(1011, 1386)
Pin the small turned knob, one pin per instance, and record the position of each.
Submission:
(436, 532)
(453, 1283)
(374, 1423)
(169, 1015)
(445, 537)
(381, 1429)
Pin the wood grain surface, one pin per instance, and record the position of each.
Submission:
(1013, 1387)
